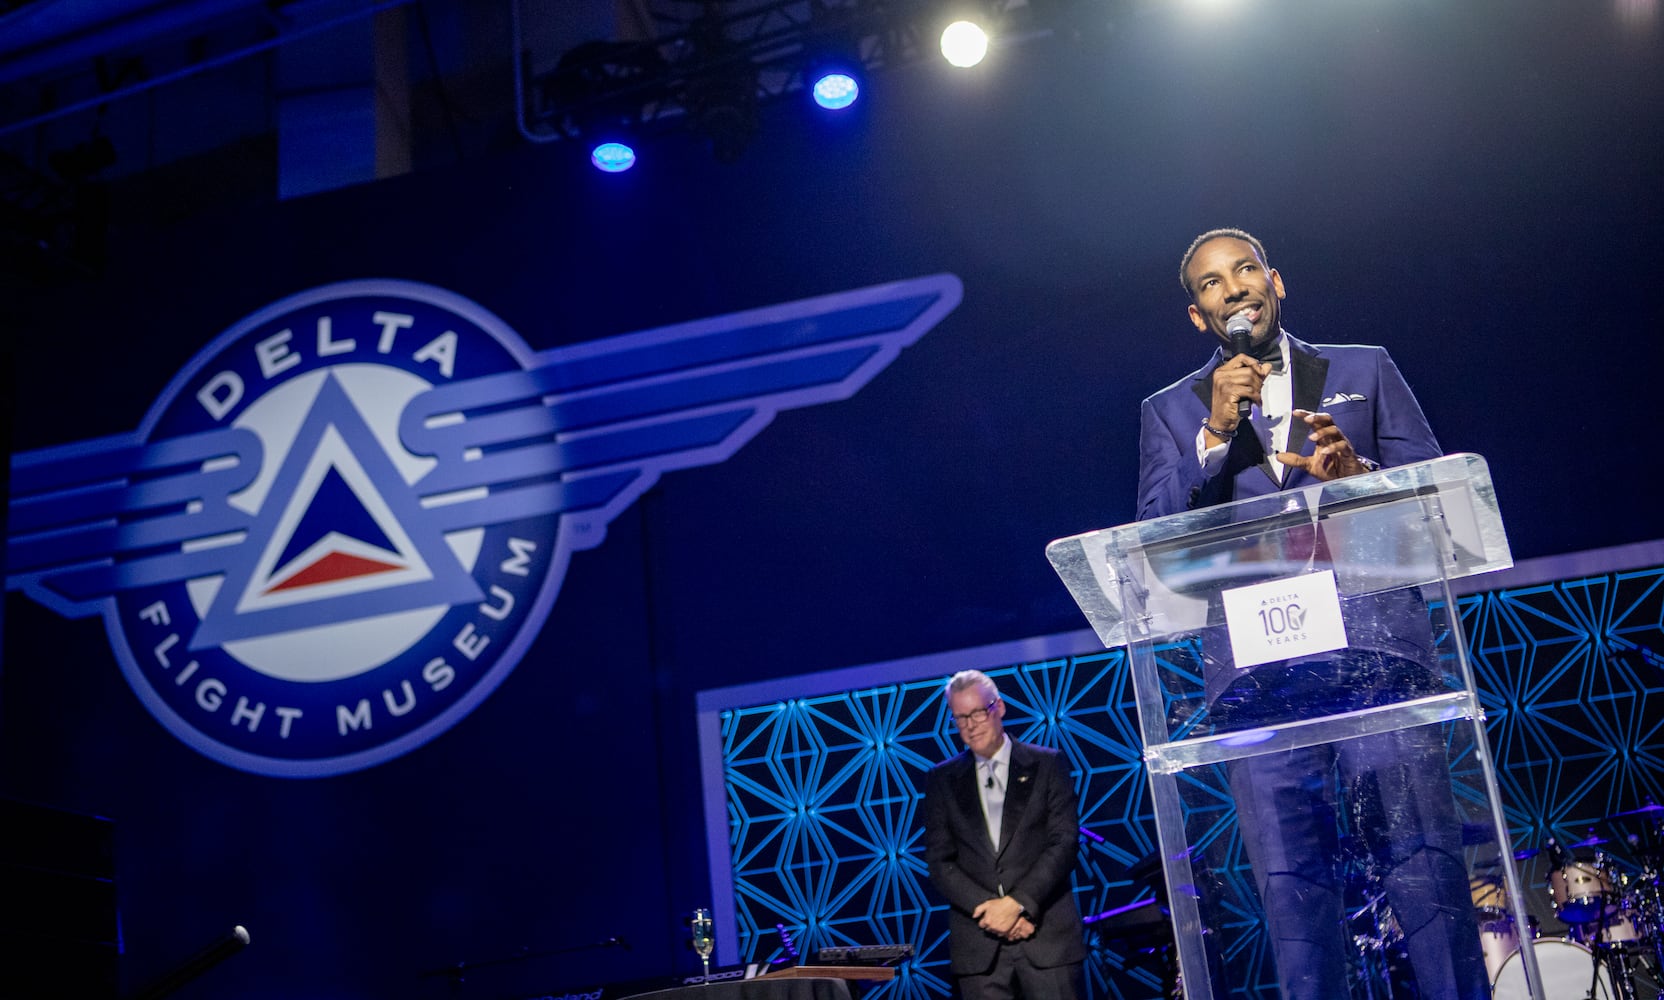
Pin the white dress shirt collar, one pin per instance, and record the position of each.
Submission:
(1002, 755)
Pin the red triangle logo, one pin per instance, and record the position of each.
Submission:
(333, 567)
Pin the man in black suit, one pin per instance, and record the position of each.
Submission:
(1013, 926)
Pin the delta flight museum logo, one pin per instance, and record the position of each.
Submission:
(341, 525)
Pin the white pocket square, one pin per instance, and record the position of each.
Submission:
(1344, 397)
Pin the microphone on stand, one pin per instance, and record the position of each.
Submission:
(197, 964)
(786, 941)
(1557, 857)
(1240, 329)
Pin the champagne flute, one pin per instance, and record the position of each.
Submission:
(703, 939)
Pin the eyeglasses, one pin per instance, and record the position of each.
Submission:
(974, 716)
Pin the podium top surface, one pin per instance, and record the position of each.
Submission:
(1406, 526)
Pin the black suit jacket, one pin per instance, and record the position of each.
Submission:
(1039, 833)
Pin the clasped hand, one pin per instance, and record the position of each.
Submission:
(1003, 916)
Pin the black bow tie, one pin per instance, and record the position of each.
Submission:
(1270, 353)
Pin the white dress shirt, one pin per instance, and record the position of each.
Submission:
(992, 775)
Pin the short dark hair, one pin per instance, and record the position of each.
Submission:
(1215, 234)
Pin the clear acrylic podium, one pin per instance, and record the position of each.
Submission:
(1316, 626)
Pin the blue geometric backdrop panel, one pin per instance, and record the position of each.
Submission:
(825, 839)
(1573, 686)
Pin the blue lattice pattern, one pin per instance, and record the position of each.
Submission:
(1572, 679)
(825, 835)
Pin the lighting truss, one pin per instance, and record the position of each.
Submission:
(712, 59)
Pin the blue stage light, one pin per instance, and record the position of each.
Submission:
(836, 90)
(613, 157)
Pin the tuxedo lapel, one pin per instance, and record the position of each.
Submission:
(1203, 388)
(1019, 787)
(1308, 374)
(1261, 435)
(968, 799)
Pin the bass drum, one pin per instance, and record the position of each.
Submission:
(1567, 969)
(1498, 940)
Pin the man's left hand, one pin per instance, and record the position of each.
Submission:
(998, 916)
(1333, 457)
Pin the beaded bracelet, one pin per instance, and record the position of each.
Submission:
(1216, 432)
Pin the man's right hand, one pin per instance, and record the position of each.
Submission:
(1020, 930)
(1236, 379)
(997, 916)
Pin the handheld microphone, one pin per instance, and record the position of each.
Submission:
(1240, 329)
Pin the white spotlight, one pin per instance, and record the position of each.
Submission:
(964, 44)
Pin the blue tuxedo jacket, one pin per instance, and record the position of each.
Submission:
(1039, 838)
(1372, 405)
(1359, 386)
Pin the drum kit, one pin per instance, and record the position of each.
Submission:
(1612, 906)
(1612, 944)
(1612, 947)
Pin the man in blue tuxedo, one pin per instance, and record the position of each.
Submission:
(1281, 415)
(1320, 404)
(1001, 825)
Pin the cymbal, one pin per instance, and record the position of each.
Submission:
(1589, 841)
(1527, 852)
(1650, 809)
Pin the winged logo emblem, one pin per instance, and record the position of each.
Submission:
(384, 466)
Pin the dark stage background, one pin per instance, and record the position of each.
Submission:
(1477, 187)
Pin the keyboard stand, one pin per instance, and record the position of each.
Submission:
(865, 973)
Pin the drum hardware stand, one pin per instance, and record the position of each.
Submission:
(1649, 890)
(1607, 953)
(1612, 957)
